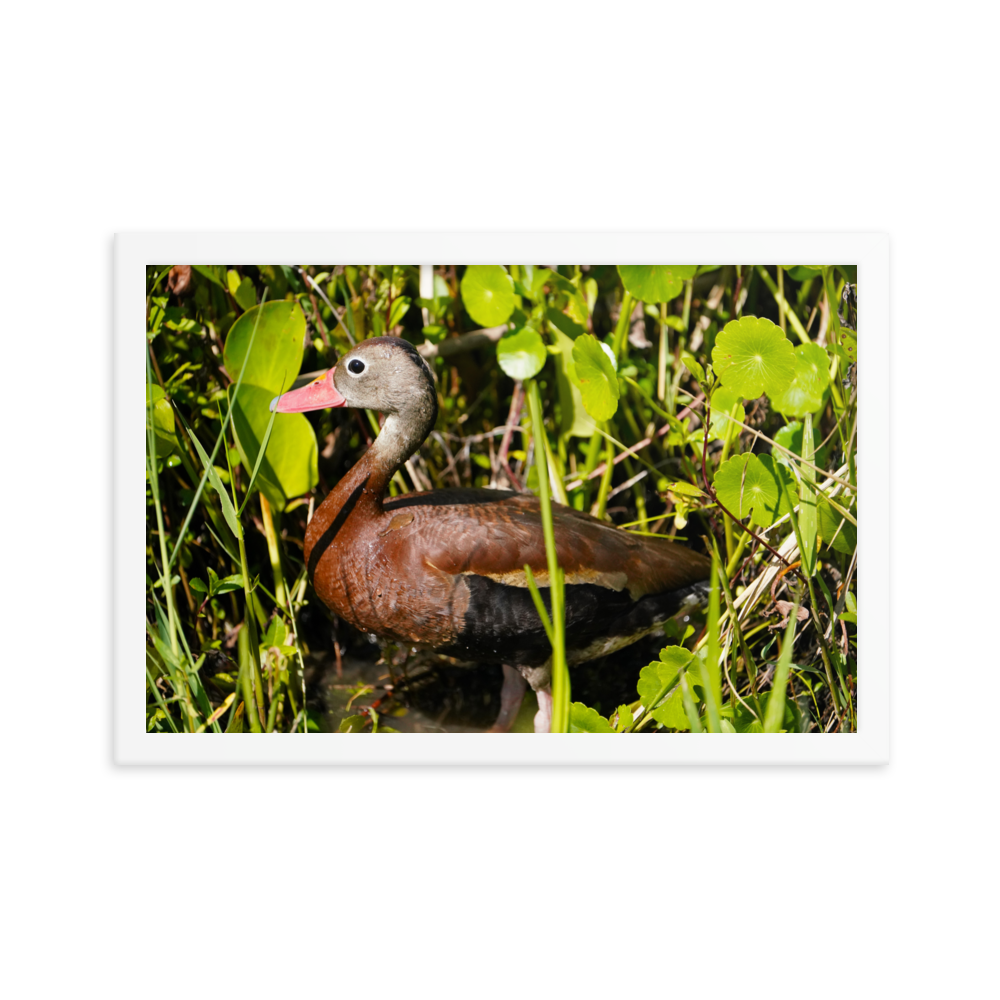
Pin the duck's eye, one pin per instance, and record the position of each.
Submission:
(356, 366)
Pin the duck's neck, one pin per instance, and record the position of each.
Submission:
(396, 442)
(359, 493)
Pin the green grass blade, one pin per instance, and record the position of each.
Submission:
(228, 510)
(775, 713)
(260, 459)
(808, 515)
(710, 668)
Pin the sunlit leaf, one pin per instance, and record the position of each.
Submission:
(277, 349)
(521, 353)
(804, 394)
(595, 377)
(655, 282)
(748, 484)
(488, 294)
(656, 678)
(752, 355)
(586, 720)
(289, 467)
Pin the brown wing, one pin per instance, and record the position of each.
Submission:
(493, 534)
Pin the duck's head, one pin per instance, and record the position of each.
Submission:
(385, 374)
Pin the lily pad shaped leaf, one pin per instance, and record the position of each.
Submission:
(805, 392)
(488, 294)
(747, 485)
(289, 468)
(521, 353)
(655, 282)
(277, 351)
(595, 377)
(752, 355)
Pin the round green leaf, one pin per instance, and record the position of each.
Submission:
(289, 467)
(805, 392)
(594, 375)
(655, 282)
(752, 355)
(488, 294)
(521, 353)
(747, 485)
(277, 347)
(583, 719)
(723, 402)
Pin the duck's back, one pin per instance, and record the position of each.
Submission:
(445, 569)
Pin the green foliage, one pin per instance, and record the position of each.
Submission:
(521, 353)
(226, 517)
(804, 394)
(278, 346)
(657, 282)
(583, 719)
(289, 466)
(594, 375)
(488, 294)
(752, 355)
(749, 486)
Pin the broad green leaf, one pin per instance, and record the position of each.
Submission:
(595, 377)
(833, 524)
(575, 418)
(748, 484)
(656, 282)
(724, 401)
(565, 324)
(671, 713)
(583, 719)
(163, 420)
(521, 353)
(725, 726)
(277, 350)
(752, 355)
(488, 294)
(245, 295)
(353, 724)
(289, 467)
(804, 394)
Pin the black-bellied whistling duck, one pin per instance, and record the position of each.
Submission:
(445, 570)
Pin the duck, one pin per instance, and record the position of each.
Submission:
(445, 569)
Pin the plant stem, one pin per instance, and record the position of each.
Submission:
(560, 670)
(274, 553)
(255, 704)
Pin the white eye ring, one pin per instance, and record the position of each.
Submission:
(353, 370)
